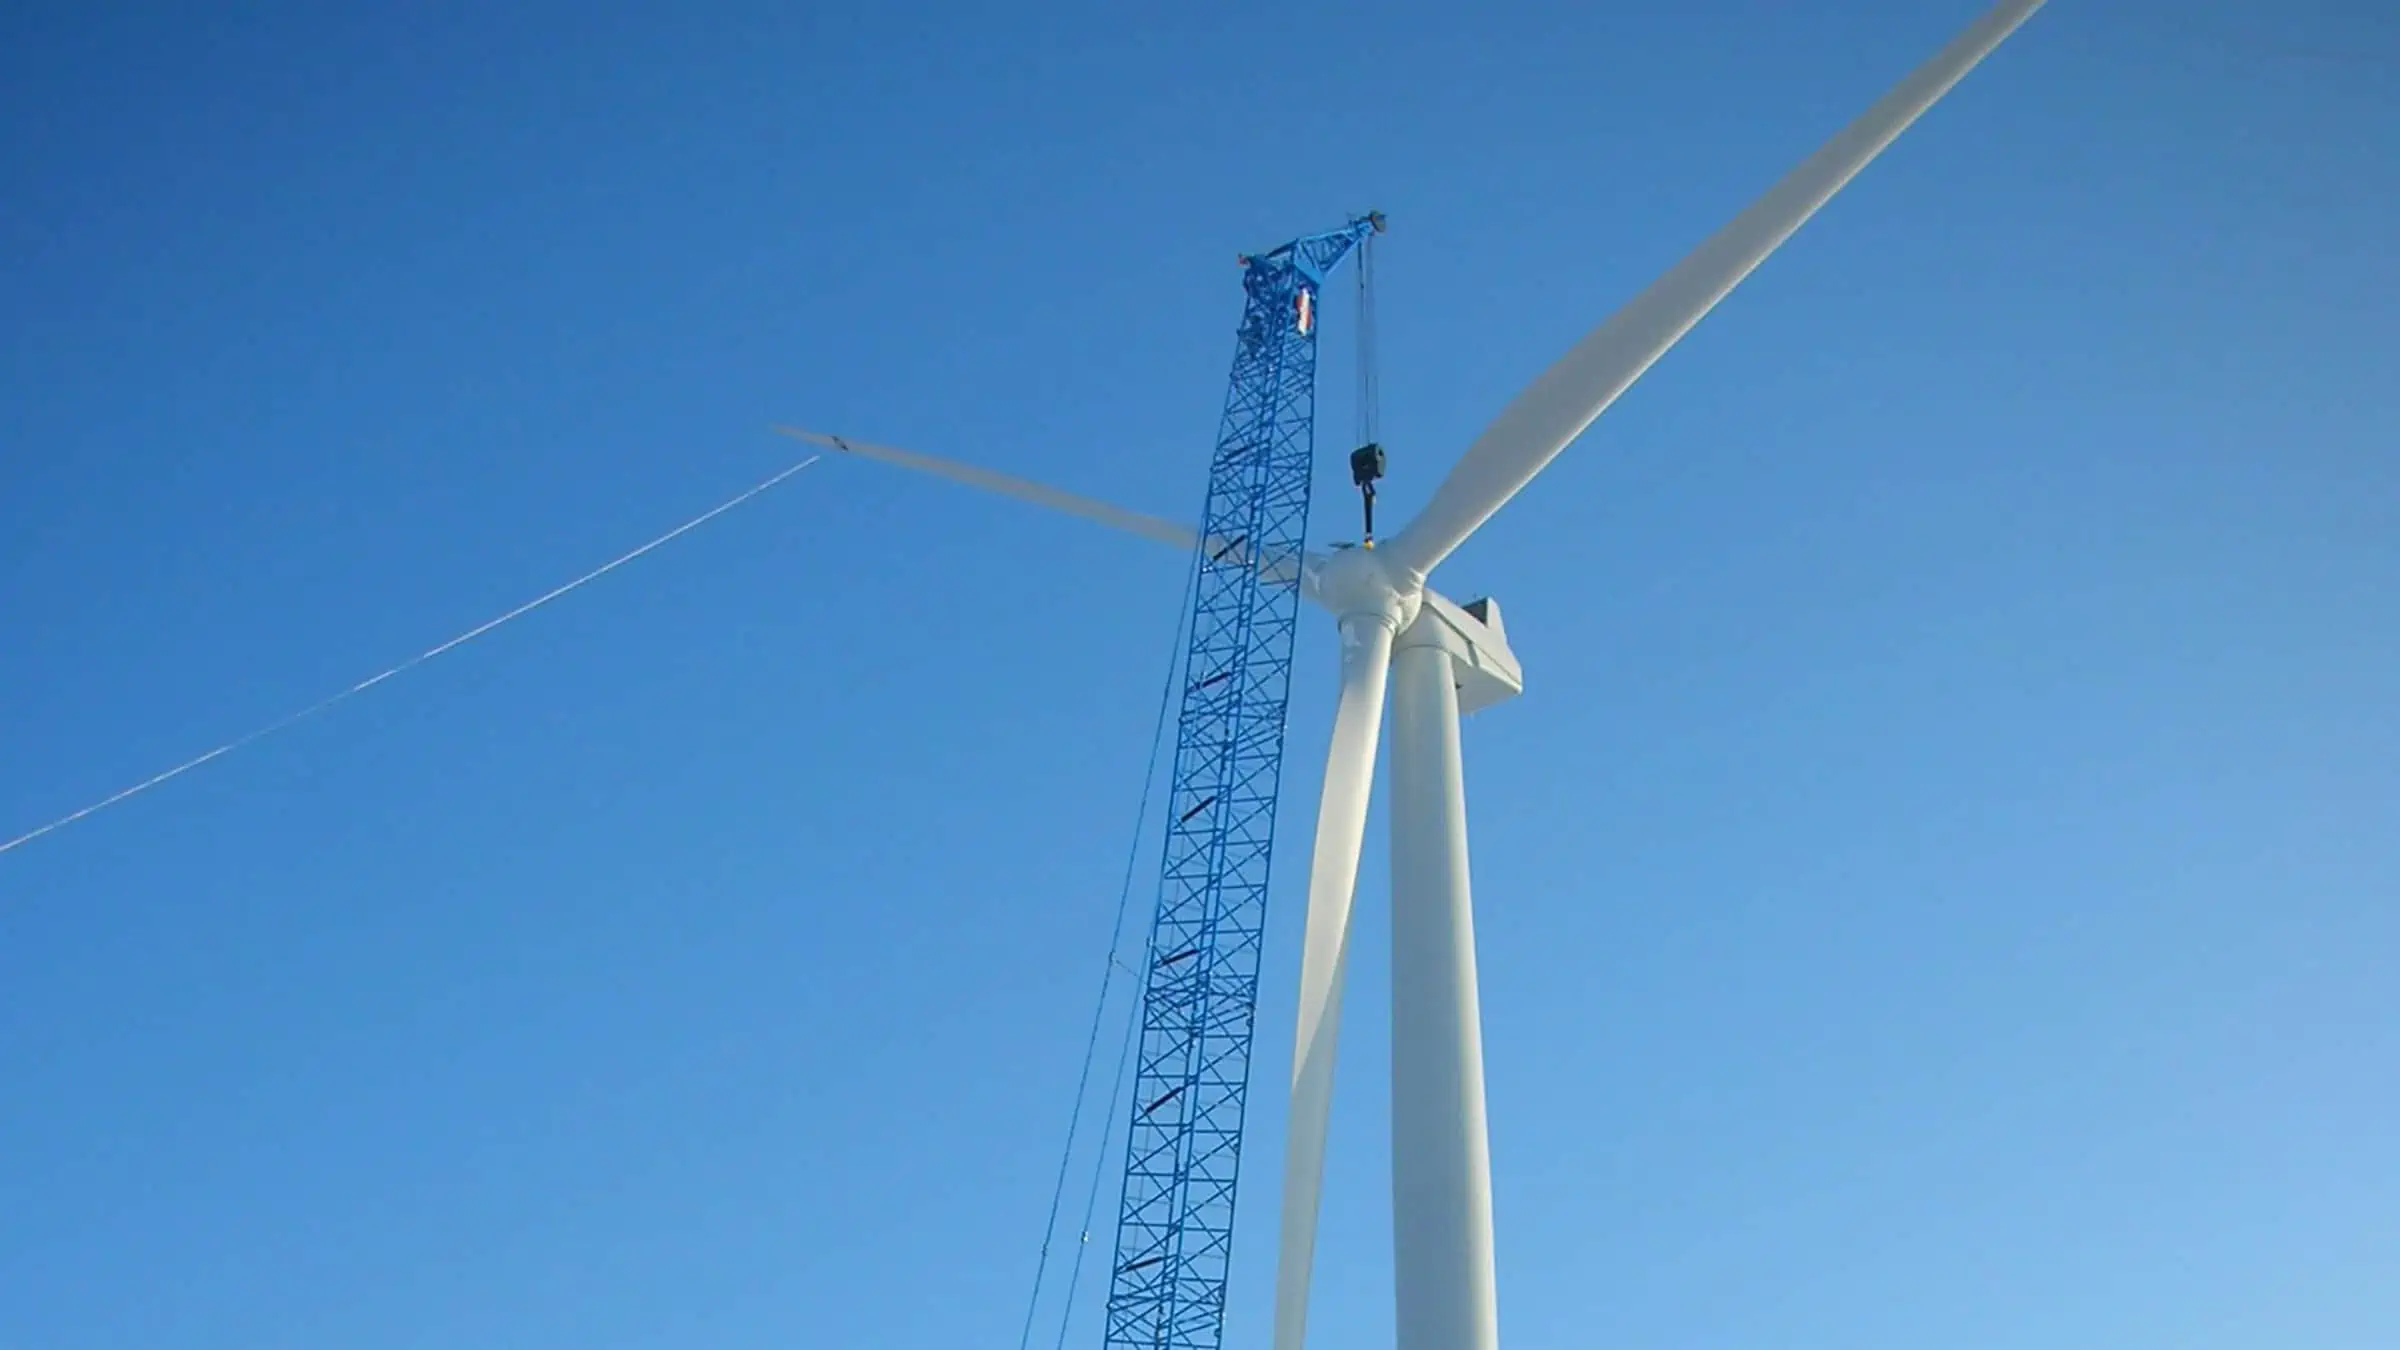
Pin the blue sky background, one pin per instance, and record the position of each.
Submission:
(1939, 886)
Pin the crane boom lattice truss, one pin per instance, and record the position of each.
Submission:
(1200, 997)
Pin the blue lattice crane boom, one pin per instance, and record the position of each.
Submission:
(1200, 996)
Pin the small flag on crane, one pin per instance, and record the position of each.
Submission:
(1308, 310)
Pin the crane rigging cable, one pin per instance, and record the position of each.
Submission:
(1108, 980)
(321, 705)
(1367, 461)
(1370, 388)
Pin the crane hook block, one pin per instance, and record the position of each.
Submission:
(1366, 465)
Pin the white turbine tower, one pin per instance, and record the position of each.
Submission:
(1442, 660)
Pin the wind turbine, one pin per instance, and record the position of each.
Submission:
(1441, 660)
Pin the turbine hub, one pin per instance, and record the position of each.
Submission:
(1357, 583)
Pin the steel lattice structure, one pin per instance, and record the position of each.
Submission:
(1175, 1220)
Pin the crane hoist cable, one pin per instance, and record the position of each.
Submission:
(1367, 461)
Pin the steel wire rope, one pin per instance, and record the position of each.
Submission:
(1368, 411)
(292, 719)
(1115, 963)
(1091, 1197)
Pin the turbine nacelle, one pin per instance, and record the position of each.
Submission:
(1482, 667)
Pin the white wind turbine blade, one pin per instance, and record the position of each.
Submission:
(1531, 431)
(1099, 512)
(1153, 528)
(1324, 956)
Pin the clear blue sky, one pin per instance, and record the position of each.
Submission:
(1942, 885)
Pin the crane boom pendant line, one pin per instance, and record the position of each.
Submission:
(1200, 993)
